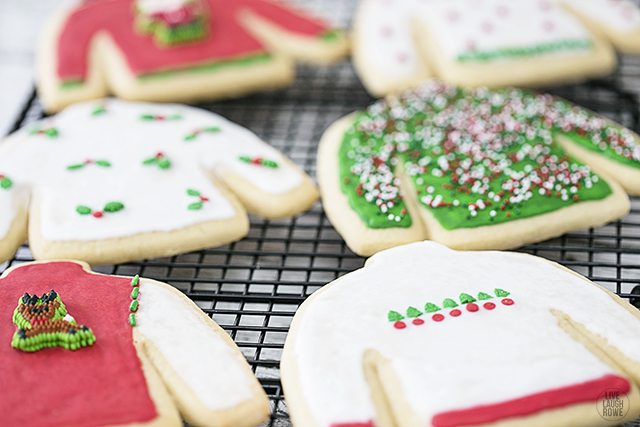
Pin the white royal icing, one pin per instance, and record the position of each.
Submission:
(485, 357)
(208, 365)
(155, 199)
(618, 15)
(157, 6)
(385, 35)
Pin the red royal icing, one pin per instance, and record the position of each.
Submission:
(588, 391)
(93, 386)
(226, 38)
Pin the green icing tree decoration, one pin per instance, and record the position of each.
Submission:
(43, 322)
(199, 204)
(5, 182)
(197, 132)
(484, 296)
(431, 308)
(159, 159)
(101, 163)
(449, 303)
(394, 316)
(259, 161)
(413, 312)
(110, 207)
(466, 298)
(501, 293)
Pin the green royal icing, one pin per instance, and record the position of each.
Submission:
(43, 322)
(431, 308)
(484, 296)
(518, 52)
(413, 312)
(501, 293)
(468, 163)
(5, 182)
(210, 67)
(466, 299)
(449, 303)
(394, 316)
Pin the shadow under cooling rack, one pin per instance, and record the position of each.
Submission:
(253, 287)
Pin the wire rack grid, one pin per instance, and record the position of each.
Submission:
(253, 287)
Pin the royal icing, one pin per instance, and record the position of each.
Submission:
(119, 173)
(475, 157)
(225, 38)
(104, 384)
(456, 369)
(618, 15)
(464, 31)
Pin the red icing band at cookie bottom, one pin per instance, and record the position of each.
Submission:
(560, 397)
(96, 386)
(226, 38)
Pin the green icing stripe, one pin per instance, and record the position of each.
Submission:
(368, 156)
(518, 52)
(211, 67)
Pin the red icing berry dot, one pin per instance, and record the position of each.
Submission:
(489, 305)
(204, 199)
(437, 317)
(507, 301)
(159, 117)
(97, 214)
(472, 307)
(257, 161)
(417, 322)
(455, 313)
(159, 154)
(399, 325)
(88, 162)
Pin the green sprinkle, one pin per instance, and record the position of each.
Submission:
(135, 292)
(132, 320)
(135, 281)
(133, 306)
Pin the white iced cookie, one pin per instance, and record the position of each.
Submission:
(427, 336)
(617, 20)
(112, 181)
(493, 42)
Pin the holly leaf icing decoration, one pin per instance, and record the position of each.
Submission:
(112, 207)
(431, 307)
(449, 303)
(83, 210)
(192, 192)
(5, 182)
(482, 296)
(195, 206)
(192, 136)
(43, 322)
(159, 159)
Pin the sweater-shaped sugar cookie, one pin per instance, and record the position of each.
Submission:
(427, 336)
(398, 43)
(116, 351)
(178, 50)
(617, 20)
(112, 181)
(474, 169)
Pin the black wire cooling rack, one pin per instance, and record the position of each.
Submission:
(253, 287)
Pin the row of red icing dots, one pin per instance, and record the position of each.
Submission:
(467, 303)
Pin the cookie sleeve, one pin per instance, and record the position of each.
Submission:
(207, 375)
